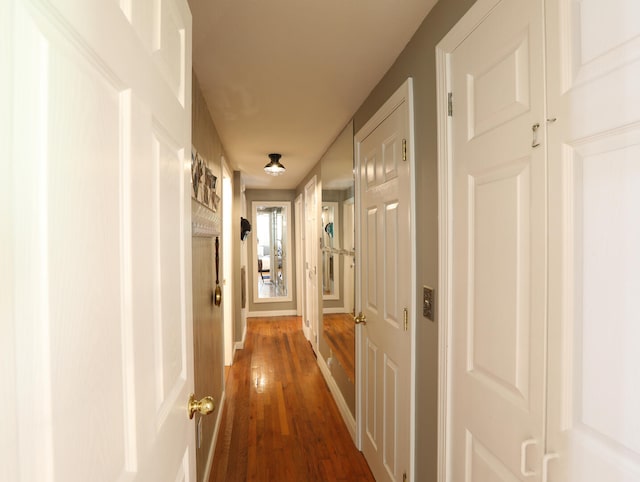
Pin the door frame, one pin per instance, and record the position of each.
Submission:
(299, 269)
(461, 30)
(403, 94)
(310, 260)
(227, 262)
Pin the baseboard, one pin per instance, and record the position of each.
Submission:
(255, 314)
(349, 419)
(239, 345)
(212, 451)
(335, 310)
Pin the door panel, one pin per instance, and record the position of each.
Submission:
(483, 465)
(169, 319)
(101, 242)
(311, 255)
(499, 247)
(594, 424)
(499, 91)
(391, 400)
(385, 294)
(390, 280)
(371, 393)
(498, 277)
(372, 268)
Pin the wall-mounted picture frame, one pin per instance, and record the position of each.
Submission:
(203, 181)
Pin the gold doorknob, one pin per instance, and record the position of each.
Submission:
(360, 319)
(204, 406)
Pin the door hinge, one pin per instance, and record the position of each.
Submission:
(404, 150)
(450, 104)
(406, 319)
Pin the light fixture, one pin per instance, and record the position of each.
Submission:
(274, 168)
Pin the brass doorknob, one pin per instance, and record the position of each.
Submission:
(204, 406)
(360, 319)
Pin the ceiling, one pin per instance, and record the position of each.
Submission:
(287, 75)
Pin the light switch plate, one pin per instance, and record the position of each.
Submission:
(427, 302)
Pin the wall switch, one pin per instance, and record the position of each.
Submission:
(427, 302)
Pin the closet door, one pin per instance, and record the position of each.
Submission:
(499, 247)
(594, 159)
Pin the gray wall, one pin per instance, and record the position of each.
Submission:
(207, 333)
(417, 60)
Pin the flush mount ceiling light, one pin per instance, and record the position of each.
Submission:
(274, 168)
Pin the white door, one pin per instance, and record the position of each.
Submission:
(310, 263)
(299, 258)
(97, 117)
(228, 241)
(594, 163)
(385, 274)
(499, 257)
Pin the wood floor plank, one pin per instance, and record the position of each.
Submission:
(339, 332)
(280, 421)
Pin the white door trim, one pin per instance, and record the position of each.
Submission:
(311, 313)
(299, 269)
(227, 261)
(475, 15)
(403, 94)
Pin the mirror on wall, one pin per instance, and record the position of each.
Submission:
(271, 251)
(338, 256)
(330, 251)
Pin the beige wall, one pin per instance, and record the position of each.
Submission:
(207, 318)
(204, 135)
(207, 340)
(418, 61)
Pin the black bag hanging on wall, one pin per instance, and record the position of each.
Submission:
(245, 228)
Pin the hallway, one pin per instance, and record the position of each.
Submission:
(280, 421)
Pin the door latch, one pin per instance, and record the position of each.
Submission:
(534, 128)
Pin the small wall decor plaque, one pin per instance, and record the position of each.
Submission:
(203, 181)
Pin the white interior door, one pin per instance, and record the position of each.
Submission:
(499, 247)
(98, 117)
(594, 162)
(297, 209)
(228, 241)
(311, 264)
(385, 268)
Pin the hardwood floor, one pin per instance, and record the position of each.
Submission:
(339, 332)
(280, 422)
